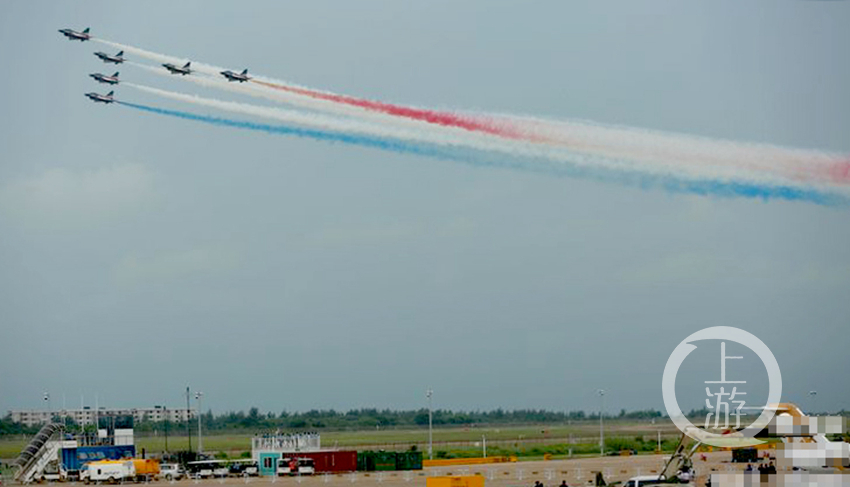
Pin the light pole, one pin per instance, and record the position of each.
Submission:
(189, 417)
(813, 395)
(428, 394)
(601, 393)
(198, 396)
(47, 405)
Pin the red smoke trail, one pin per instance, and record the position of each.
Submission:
(430, 116)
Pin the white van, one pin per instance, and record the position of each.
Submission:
(108, 471)
(645, 480)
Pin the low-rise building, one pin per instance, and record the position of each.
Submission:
(86, 416)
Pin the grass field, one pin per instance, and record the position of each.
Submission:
(510, 438)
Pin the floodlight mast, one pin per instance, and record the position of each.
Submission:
(601, 393)
(198, 396)
(428, 394)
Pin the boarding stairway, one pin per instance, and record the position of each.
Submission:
(38, 453)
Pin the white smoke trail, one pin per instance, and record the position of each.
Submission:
(351, 125)
(652, 145)
(258, 91)
(435, 137)
(294, 117)
(291, 98)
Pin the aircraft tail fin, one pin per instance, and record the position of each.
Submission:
(245, 71)
(110, 93)
(187, 64)
(86, 31)
(120, 53)
(115, 75)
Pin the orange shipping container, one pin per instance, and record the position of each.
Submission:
(458, 481)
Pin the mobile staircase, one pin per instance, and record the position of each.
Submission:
(38, 453)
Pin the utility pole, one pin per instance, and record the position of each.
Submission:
(430, 427)
(165, 411)
(188, 410)
(601, 393)
(484, 445)
(198, 396)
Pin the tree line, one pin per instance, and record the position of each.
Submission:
(371, 418)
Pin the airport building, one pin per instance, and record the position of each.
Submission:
(272, 451)
(88, 415)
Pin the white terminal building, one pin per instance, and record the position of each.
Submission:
(87, 415)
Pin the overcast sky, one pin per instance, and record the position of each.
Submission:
(139, 255)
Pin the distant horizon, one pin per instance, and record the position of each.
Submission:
(342, 412)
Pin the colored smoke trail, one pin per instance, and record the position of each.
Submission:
(290, 99)
(634, 179)
(443, 118)
(323, 135)
(423, 134)
(690, 155)
(799, 165)
(430, 116)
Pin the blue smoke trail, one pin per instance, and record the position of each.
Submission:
(482, 158)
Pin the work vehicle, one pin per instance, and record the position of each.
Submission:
(204, 469)
(108, 471)
(242, 468)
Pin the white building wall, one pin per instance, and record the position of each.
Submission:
(87, 416)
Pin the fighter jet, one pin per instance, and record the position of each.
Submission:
(97, 97)
(76, 36)
(117, 59)
(177, 69)
(102, 78)
(240, 77)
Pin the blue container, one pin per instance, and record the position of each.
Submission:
(74, 458)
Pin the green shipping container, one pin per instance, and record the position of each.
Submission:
(385, 460)
(408, 460)
(366, 461)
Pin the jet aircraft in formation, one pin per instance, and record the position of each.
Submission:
(173, 69)
(240, 77)
(102, 78)
(73, 35)
(98, 98)
(119, 58)
(116, 59)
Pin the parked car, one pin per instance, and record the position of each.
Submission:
(171, 471)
